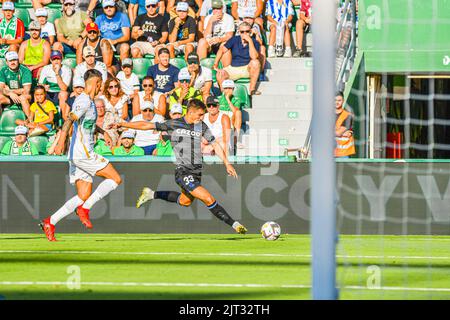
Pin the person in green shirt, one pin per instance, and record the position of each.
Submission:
(184, 92)
(231, 105)
(15, 83)
(128, 148)
(164, 146)
(19, 145)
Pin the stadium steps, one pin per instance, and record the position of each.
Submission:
(280, 116)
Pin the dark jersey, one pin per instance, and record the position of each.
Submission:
(186, 141)
(153, 27)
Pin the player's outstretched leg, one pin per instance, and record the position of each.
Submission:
(148, 194)
(48, 224)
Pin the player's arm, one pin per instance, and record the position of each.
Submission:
(138, 125)
(105, 134)
(221, 154)
(59, 149)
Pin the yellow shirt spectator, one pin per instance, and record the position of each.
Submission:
(39, 115)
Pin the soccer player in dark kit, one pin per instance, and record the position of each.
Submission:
(186, 136)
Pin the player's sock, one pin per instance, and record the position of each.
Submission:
(102, 191)
(220, 213)
(66, 209)
(171, 196)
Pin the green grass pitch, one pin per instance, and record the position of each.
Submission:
(203, 266)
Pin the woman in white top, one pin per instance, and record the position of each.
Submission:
(149, 94)
(116, 101)
(219, 124)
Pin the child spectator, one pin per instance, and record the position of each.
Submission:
(42, 114)
(128, 148)
(231, 105)
(66, 102)
(182, 32)
(48, 31)
(19, 145)
(128, 80)
(279, 16)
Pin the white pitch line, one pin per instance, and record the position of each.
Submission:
(223, 285)
(227, 254)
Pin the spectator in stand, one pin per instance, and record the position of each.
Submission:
(48, 31)
(149, 95)
(205, 10)
(244, 58)
(164, 145)
(279, 12)
(42, 114)
(115, 26)
(138, 7)
(192, 11)
(90, 63)
(302, 26)
(201, 77)
(231, 105)
(116, 101)
(147, 139)
(128, 80)
(219, 28)
(65, 104)
(70, 28)
(149, 30)
(19, 145)
(128, 148)
(185, 92)
(103, 49)
(15, 83)
(164, 74)
(104, 119)
(345, 142)
(12, 30)
(56, 78)
(34, 53)
(239, 7)
(182, 32)
(219, 124)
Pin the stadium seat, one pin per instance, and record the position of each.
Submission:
(178, 62)
(53, 14)
(71, 55)
(40, 142)
(243, 80)
(140, 67)
(3, 141)
(8, 120)
(70, 62)
(149, 56)
(240, 91)
(22, 14)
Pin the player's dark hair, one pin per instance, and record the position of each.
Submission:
(339, 94)
(92, 73)
(196, 104)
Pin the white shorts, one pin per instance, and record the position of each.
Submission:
(144, 47)
(85, 169)
(180, 49)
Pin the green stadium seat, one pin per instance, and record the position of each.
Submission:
(53, 14)
(243, 80)
(240, 91)
(22, 14)
(178, 62)
(140, 67)
(71, 55)
(40, 142)
(3, 141)
(54, 6)
(70, 62)
(19, 2)
(149, 56)
(8, 120)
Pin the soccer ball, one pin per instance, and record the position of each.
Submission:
(271, 230)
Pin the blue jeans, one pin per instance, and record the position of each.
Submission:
(148, 150)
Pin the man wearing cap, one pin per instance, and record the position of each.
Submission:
(70, 28)
(219, 28)
(182, 32)
(220, 125)
(139, 7)
(201, 77)
(128, 148)
(12, 30)
(115, 27)
(34, 53)
(90, 63)
(185, 91)
(164, 73)
(15, 83)
(244, 58)
(103, 49)
(19, 145)
(149, 30)
(238, 8)
(56, 78)
(231, 105)
(47, 28)
(147, 140)
(206, 10)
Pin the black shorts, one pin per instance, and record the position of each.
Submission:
(188, 179)
(215, 48)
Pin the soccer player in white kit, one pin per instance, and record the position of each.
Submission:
(84, 163)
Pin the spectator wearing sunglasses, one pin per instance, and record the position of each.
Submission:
(149, 95)
(139, 7)
(220, 125)
(116, 101)
(184, 92)
(201, 77)
(147, 139)
(149, 30)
